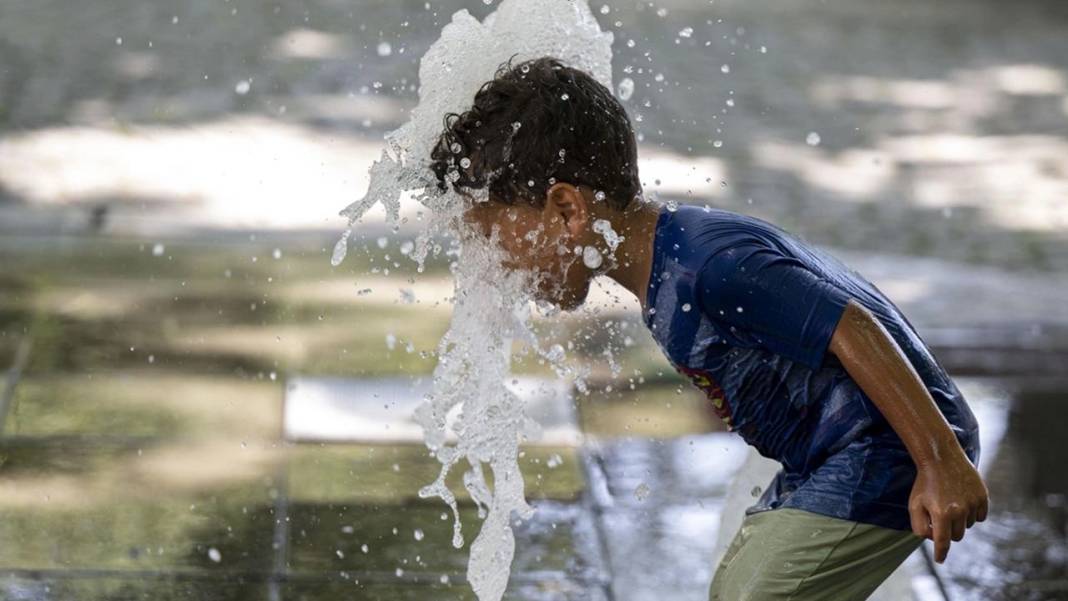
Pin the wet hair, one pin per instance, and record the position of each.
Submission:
(536, 123)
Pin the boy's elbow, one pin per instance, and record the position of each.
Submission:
(856, 325)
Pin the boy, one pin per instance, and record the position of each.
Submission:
(805, 359)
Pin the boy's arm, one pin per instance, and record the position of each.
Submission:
(948, 496)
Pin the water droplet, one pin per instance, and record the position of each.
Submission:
(214, 555)
(591, 257)
(812, 139)
(465, 162)
(642, 492)
(686, 307)
(625, 89)
(556, 353)
(157, 250)
(686, 32)
(418, 534)
(340, 249)
(384, 49)
(604, 228)
(564, 96)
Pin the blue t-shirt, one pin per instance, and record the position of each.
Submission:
(747, 312)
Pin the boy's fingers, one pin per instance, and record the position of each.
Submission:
(940, 525)
(921, 522)
(984, 505)
(958, 528)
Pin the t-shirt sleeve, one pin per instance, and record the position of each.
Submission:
(772, 300)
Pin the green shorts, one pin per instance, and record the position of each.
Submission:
(793, 555)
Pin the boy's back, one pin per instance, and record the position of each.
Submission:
(747, 312)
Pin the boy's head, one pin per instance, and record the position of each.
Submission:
(555, 152)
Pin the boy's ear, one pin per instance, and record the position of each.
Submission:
(566, 202)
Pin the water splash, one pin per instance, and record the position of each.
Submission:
(491, 307)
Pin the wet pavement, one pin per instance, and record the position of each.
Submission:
(108, 516)
(146, 453)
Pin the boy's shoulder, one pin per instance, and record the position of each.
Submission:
(690, 234)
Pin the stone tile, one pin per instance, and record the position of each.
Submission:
(392, 474)
(144, 403)
(78, 506)
(411, 543)
(381, 410)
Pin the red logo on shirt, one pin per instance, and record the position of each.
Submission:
(703, 380)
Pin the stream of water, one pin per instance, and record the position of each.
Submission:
(491, 307)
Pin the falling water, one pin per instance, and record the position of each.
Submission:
(491, 307)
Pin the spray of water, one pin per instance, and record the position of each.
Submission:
(491, 307)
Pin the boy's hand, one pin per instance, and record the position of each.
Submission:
(946, 499)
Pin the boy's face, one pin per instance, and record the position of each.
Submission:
(540, 241)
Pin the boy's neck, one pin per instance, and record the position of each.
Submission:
(634, 257)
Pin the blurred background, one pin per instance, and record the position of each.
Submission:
(196, 405)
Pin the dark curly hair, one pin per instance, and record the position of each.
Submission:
(535, 123)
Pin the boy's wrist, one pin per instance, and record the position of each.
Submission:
(940, 454)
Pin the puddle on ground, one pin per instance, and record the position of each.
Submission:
(659, 507)
(410, 543)
(1021, 552)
